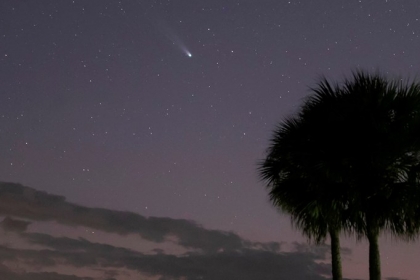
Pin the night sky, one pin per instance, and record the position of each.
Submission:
(135, 129)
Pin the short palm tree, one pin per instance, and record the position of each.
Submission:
(357, 154)
(299, 188)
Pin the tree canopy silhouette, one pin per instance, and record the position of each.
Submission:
(350, 160)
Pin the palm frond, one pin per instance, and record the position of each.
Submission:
(350, 155)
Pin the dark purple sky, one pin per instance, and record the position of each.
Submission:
(164, 108)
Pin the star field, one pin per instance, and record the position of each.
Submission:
(164, 108)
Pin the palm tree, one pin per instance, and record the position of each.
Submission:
(373, 127)
(299, 186)
(359, 145)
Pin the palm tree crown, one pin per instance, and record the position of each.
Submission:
(350, 160)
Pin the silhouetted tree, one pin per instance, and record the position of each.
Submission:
(350, 160)
(299, 185)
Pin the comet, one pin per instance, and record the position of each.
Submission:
(170, 34)
(176, 41)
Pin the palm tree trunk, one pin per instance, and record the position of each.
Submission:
(374, 257)
(335, 255)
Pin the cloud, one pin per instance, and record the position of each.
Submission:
(211, 254)
(8, 274)
(24, 202)
(246, 265)
(10, 224)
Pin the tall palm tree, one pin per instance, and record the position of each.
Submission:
(299, 185)
(357, 145)
(373, 126)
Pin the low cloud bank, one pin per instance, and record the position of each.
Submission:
(211, 254)
(24, 202)
(247, 264)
